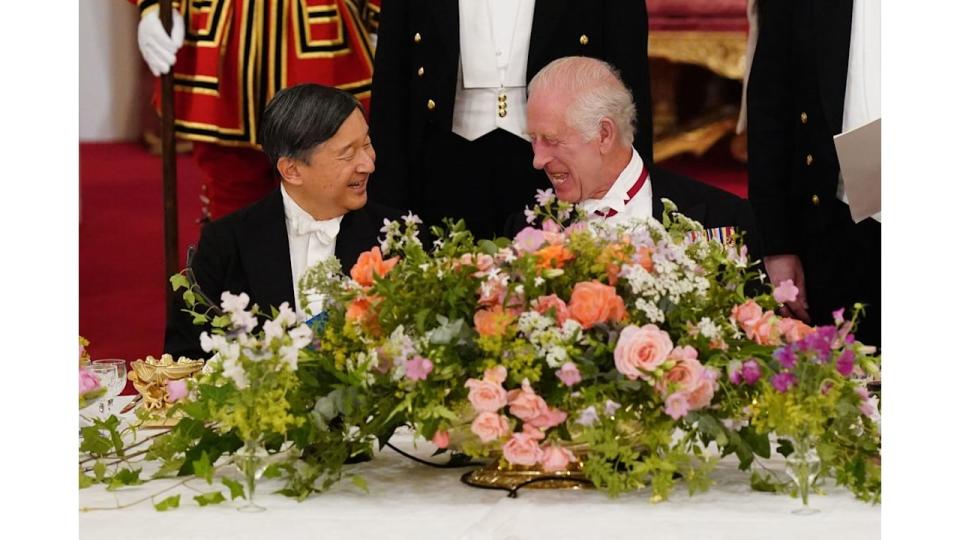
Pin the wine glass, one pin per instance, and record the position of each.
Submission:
(118, 383)
(107, 375)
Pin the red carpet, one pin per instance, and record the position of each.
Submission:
(122, 281)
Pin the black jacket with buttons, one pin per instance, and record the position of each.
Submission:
(795, 102)
(424, 34)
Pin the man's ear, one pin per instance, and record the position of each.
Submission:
(607, 135)
(289, 170)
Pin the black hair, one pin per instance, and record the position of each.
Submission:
(299, 118)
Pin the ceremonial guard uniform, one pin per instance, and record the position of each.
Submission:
(236, 55)
(449, 96)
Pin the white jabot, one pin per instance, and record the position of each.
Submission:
(311, 241)
(861, 102)
(640, 206)
(494, 43)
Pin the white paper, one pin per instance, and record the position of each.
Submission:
(859, 153)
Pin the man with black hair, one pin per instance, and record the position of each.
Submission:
(317, 141)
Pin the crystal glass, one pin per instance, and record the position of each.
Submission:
(117, 384)
(107, 374)
(803, 466)
(251, 462)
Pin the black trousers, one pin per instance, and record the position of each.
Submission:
(481, 181)
(841, 268)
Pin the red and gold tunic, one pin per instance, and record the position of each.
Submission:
(238, 53)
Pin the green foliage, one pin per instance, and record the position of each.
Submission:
(168, 503)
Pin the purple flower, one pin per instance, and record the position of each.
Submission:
(569, 374)
(786, 291)
(751, 371)
(786, 357)
(783, 381)
(736, 374)
(588, 416)
(610, 408)
(418, 368)
(176, 390)
(845, 362)
(838, 316)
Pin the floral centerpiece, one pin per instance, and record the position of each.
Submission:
(90, 388)
(623, 350)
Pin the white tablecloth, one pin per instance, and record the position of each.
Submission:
(410, 500)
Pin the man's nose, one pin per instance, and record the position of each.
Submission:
(367, 160)
(540, 158)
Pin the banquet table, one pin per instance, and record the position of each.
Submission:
(410, 500)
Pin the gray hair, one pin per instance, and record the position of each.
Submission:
(598, 92)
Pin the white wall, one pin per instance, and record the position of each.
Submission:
(109, 71)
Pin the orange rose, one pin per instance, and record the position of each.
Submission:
(370, 263)
(612, 257)
(362, 311)
(553, 256)
(493, 321)
(593, 303)
(642, 257)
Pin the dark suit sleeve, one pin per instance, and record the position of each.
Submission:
(389, 108)
(625, 47)
(182, 337)
(770, 128)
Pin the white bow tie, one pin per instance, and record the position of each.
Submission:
(325, 231)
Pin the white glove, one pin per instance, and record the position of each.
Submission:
(158, 49)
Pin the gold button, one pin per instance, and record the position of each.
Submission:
(431, 105)
(416, 37)
(502, 98)
(502, 113)
(803, 117)
(815, 200)
(809, 160)
(420, 71)
(584, 39)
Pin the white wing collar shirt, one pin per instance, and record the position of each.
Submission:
(492, 90)
(311, 241)
(625, 200)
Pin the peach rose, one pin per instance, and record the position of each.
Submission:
(525, 404)
(553, 256)
(747, 314)
(490, 426)
(643, 258)
(486, 396)
(370, 263)
(684, 375)
(700, 396)
(793, 330)
(534, 433)
(765, 330)
(545, 303)
(640, 350)
(362, 311)
(491, 293)
(496, 374)
(612, 257)
(556, 458)
(593, 303)
(522, 450)
(493, 321)
(548, 418)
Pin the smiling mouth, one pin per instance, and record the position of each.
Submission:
(358, 185)
(558, 178)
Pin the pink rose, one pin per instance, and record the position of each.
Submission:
(548, 418)
(764, 330)
(496, 374)
(529, 240)
(176, 390)
(441, 438)
(88, 381)
(545, 303)
(684, 375)
(556, 458)
(786, 291)
(490, 426)
(522, 450)
(484, 262)
(640, 350)
(747, 314)
(525, 404)
(569, 374)
(793, 330)
(700, 396)
(676, 405)
(534, 433)
(486, 396)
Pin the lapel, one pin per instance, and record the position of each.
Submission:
(546, 15)
(663, 188)
(265, 253)
(358, 233)
(834, 18)
(447, 15)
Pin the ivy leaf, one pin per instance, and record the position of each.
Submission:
(236, 489)
(198, 318)
(785, 448)
(190, 298)
(125, 477)
(761, 483)
(179, 281)
(759, 442)
(487, 247)
(272, 471)
(86, 480)
(94, 442)
(99, 471)
(221, 321)
(202, 468)
(214, 497)
(360, 482)
(168, 504)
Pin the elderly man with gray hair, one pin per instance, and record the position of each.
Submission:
(580, 118)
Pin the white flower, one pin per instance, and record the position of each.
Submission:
(530, 215)
(544, 196)
(538, 281)
(506, 255)
(386, 226)
(232, 303)
(438, 243)
(424, 267)
(708, 328)
(556, 356)
(289, 353)
(302, 335)
(411, 219)
(243, 320)
(234, 371)
(287, 316)
(273, 330)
